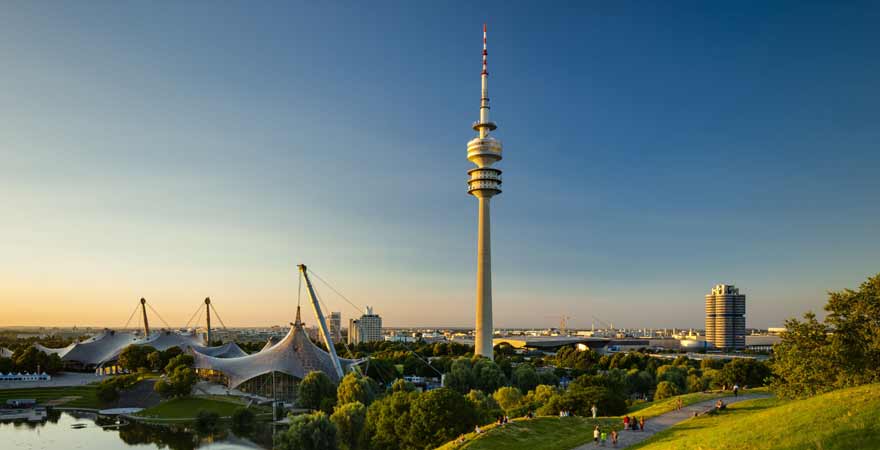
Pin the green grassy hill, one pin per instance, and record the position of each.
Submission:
(844, 419)
(553, 433)
(74, 396)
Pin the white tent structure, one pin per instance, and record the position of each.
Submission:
(5, 352)
(104, 348)
(293, 357)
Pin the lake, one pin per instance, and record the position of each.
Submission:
(97, 433)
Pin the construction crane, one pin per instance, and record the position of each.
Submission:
(563, 322)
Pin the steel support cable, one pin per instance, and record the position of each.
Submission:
(131, 316)
(194, 315)
(344, 344)
(218, 316)
(361, 309)
(157, 315)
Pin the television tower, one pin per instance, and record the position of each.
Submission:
(484, 182)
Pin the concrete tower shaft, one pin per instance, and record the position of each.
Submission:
(484, 182)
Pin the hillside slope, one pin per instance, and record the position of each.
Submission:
(844, 419)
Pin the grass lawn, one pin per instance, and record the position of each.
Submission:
(844, 419)
(541, 433)
(189, 407)
(658, 407)
(87, 395)
(553, 433)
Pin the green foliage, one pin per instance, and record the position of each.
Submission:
(508, 398)
(207, 421)
(401, 385)
(460, 376)
(487, 375)
(438, 416)
(579, 400)
(485, 407)
(155, 360)
(571, 358)
(107, 393)
(388, 421)
(317, 392)
(816, 357)
(243, 419)
(29, 359)
(666, 389)
(350, 420)
(134, 357)
(354, 388)
(180, 360)
(525, 377)
(178, 384)
(639, 381)
(744, 372)
(539, 396)
(309, 432)
(673, 374)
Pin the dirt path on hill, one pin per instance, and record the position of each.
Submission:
(664, 421)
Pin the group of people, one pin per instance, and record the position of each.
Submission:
(564, 413)
(503, 420)
(630, 423)
(601, 437)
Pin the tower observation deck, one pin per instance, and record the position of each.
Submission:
(484, 182)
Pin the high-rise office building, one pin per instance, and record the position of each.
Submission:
(336, 326)
(368, 328)
(725, 318)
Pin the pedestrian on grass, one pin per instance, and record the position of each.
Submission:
(594, 410)
(735, 390)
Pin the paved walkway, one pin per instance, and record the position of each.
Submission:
(664, 421)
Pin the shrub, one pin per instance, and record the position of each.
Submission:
(206, 421)
(107, 393)
(243, 419)
(665, 389)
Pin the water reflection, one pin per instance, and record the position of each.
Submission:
(59, 430)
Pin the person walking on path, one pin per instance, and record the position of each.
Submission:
(594, 410)
(642, 423)
(679, 404)
(626, 422)
(614, 438)
(736, 390)
(604, 438)
(596, 435)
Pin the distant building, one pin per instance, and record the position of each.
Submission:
(366, 329)
(725, 318)
(336, 326)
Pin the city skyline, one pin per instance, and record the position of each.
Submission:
(176, 155)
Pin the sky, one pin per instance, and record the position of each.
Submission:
(178, 150)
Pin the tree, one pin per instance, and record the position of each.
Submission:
(803, 363)
(388, 421)
(401, 385)
(155, 360)
(309, 432)
(350, 419)
(206, 421)
(525, 377)
(181, 360)
(107, 393)
(666, 389)
(696, 383)
(508, 398)
(744, 372)
(354, 388)
(314, 391)
(844, 351)
(540, 396)
(485, 407)
(487, 375)
(178, 384)
(639, 381)
(439, 416)
(134, 357)
(460, 376)
(673, 374)
(243, 419)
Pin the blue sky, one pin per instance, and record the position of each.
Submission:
(177, 150)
